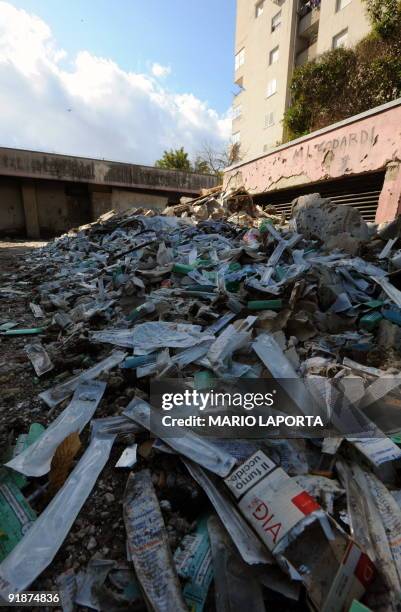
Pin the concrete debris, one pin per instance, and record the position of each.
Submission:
(214, 293)
(334, 225)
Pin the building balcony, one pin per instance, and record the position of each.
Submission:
(239, 83)
(306, 55)
(309, 13)
(306, 6)
(239, 76)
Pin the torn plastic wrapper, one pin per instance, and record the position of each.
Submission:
(117, 337)
(281, 247)
(190, 445)
(387, 248)
(95, 575)
(39, 358)
(235, 585)
(36, 459)
(342, 304)
(191, 354)
(148, 545)
(356, 263)
(8, 325)
(379, 389)
(248, 544)
(40, 544)
(114, 425)
(193, 561)
(148, 337)
(67, 587)
(221, 323)
(137, 362)
(360, 368)
(84, 312)
(55, 395)
(128, 457)
(36, 310)
(23, 442)
(62, 319)
(229, 341)
(375, 522)
(180, 360)
(377, 448)
(270, 353)
(393, 293)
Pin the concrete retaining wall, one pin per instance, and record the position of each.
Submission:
(44, 194)
(365, 143)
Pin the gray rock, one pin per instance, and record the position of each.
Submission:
(341, 226)
(92, 543)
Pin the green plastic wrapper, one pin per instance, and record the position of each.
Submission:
(24, 332)
(265, 304)
(193, 560)
(182, 268)
(371, 320)
(16, 516)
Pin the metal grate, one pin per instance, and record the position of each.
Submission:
(361, 192)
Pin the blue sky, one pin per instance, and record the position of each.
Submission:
(194, 37)
(191, 40)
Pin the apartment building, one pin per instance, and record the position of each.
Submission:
(272, 38)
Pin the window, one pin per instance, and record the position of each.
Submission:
(236, 138)
(269, 120)
(273, 56)
(340, 39)
(271, 88)
(340, 4)
(259, 9)
(239, 59)
(237, 111)
(276, 21)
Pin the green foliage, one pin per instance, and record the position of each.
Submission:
(345, 82)
(208, 161)
(383, 16)
(201, 166)
(175, 159)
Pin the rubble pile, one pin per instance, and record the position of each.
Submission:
(98, 505)
(233, 205)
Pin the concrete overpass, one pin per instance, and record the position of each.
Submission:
(45, 194)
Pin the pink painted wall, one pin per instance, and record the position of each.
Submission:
(364, 145)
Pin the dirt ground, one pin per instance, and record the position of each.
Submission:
(99, 529)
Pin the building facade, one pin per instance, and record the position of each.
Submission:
(272, 38)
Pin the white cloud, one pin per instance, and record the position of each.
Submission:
(88, 105)
(160, 71)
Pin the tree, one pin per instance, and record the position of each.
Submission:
(175, 159)
(207, 161)
(347, 81)
(384, 16)
(217, 160)
(201, 166)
